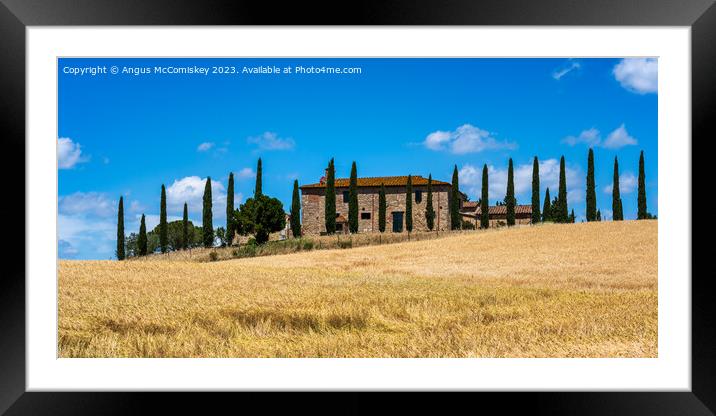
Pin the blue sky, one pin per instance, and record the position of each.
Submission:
(126, 135)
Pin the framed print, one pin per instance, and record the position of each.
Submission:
(427, 198)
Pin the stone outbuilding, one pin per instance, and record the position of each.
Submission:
(313, 204)
(471, 212)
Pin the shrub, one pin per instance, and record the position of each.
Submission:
(213, 256)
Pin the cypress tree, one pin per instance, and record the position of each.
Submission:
(429, 211)
(353, 200)
(296, 211)
(142, 239)
(185, 228)
(591, 191)
(547, 209)
(330, 200)
(510, 195)
(120, 230)
(206, 223)
(562, 211)
(163, 238)
(409, 205)
(535, 192)
(230, 210)
(257, 190)
(572, 217)
(484, 200)
(455, 202)
(382, 206)
(599, 215)
(617, 214)
(641, 199)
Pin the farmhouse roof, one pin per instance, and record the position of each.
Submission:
(502, 209)
(377, 181)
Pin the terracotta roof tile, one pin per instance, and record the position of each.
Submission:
(377, 181)
(502, 209)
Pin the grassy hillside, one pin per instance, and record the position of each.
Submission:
(572, 290)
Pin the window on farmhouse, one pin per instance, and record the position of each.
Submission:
(346, 197)
(418, 196)
(365, 215)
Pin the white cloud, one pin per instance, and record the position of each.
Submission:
(66, 250)
(639, 75)
(589, 137)
(136, 206)
(190, 189)
(245, 173)
(465, 139)
(558, 74)
(90, 203)
(69, 153)
(619, 138)
(471, 179)
(271, 141)
(203, 147)
(627, 184)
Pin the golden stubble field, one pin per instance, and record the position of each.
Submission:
(572, 290)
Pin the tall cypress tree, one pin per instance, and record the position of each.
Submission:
(296, 211)
(562, 211)
(330, 200)
(142, 239)
(353, 200)
(409, 205)
(591, 188)
(429, 210)
(572, 217)
(641, 199)
(120, 230)
(535, 192)
(206, 222)
(382, 206)
(257, 190)
(230, 210)
(510, 195)
(455, 201)
(617, 214)
(547, 209)
(185, 228)
(599, 215)
(485, 200)
(163, 238)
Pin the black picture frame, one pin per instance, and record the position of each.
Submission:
(16, 15)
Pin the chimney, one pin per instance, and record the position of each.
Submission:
(323, 178)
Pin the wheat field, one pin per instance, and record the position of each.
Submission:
(568, 290)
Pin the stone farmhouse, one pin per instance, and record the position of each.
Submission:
(313, 203)
(497, 214)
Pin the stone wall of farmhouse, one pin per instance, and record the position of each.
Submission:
(313, 218)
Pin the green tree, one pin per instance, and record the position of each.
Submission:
(484, 200)
(230, 210)
(296, 211)
(382, 206)
(429, 210)
(142, 239)
(175, 236)
(260, 216)
(562, 214)
(510, 195)
(120, 230)
(163, 220)
(599, 215)
(353, 200)
(409, 205)
(591, 188)
(617, 214)
(185, 228)
(641, 198)
(535, 192)
(207, 216)
(547, 209)
(258, 191)
(572, 217)
(455, 202)
(330, 199)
